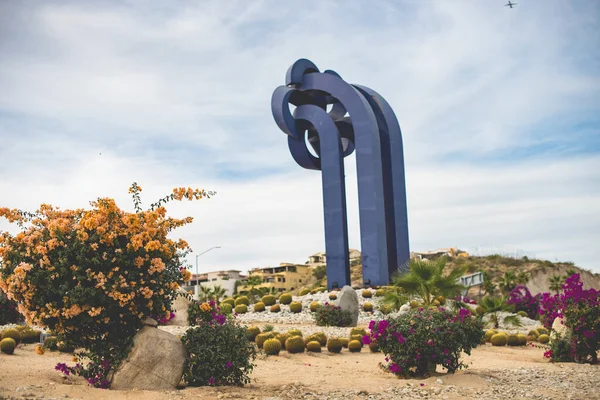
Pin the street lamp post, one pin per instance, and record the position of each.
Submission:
(197, 288)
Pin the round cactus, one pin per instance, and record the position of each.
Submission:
(295, 332)
(479, 310)
(51, 343)
(345, 342)
(31, 336)
(380, 292)
(304, 292)
(367, 294)
(358, 331)
(543, 338)
(531, 338)
(513, 340)
(259, 306)
(268, 300)
(285, 298)
(229, 301)
(295, 307)
(272, 347)
(332, 296)
(435, 303)
(314, 305)
(385, 309)
(314, 291)
(13, 334)
(356, 337)
(242, 300)
(226, 308)
(7, 345)
(241, 309)
(294, 344)
(261, 338)
(355, 346)
(489, 333)
(542, 331)
(275, 308)
(441, 300)
(252, 331)
(499, 339)
(282, 337)
(522, 314)
(367, 307)
(374, 347)
(334, 345)
(522, 339)
(317, 337)
(415, 304)
(313, 346)
(533, 332)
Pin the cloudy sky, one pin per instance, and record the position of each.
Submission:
(500, 112)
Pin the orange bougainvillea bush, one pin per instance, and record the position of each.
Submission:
(92, 276)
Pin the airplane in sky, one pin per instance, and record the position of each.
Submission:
(509, 4)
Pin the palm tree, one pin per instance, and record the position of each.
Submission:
(488, 283)
(218, 292)
(556, 283)
(426, 279)
(507, 282)
(205, 293)
(570, 272)
(494, 304)
(522, 278)
(394, 298)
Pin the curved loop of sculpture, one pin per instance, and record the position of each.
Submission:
(359, 120)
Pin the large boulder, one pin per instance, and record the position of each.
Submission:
(559, 329)
(180, 308)
(156, 362)
(348, 301)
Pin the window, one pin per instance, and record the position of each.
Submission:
(214, 279)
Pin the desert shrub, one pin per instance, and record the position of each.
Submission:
(367, 294)
(314, 305)
(380, 292)
(285, 298)
(332, 296)
(241, 300)
(272, 347)
(241, 309)
(513, 340)
(268, 300)
(561, 349)
(259, 306)
(304, 292)
(345, 342)
(268, 328)
(261, 338)
(313, 346)
(51, 343)
(295, 332)
(219, 354)
(358, 331)
(334, 345)
(296, 307)
(294, 344)
(414, 340)
(65, 347)
(226, 309)
(7, 345)
(229, 301)
(8, 311)
(499, 340)
(543, 338)
(330, 315)
(13, 334)
(92, 276)
(252, 331)
(275, 308)
(367, 307)
(203, 312)
(355, 346)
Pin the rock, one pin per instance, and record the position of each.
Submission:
(156, 362)
(348, 301)
(404, 308)
(150, 322)
(559, 329)
(180, 308)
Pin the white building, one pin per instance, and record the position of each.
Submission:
(225, 279)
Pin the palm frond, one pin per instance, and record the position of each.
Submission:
(512, 320)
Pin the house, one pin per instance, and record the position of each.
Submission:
(433, 254)
(321, 257)
(283, 278)
(225, 279)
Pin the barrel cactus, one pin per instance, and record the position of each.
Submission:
(268, 300)
(385, 309)
(332, 296)
(7, 345)
(272, 347)
(282, 337)
(489, 333)
(261, 338)
(314, 305)
(358, 331)
(522, 339)
(294, 344)
(533, 332)
(31, 336)
(367, 294)
(435, 303)
(415, 304)
(252, 331)
(499, 339)
(314, 291)
(513, 340)
(304, 292)
(380, 292)
(295, 307)
(374, 347)
(543, 338)
(259, 306)
(542, 331)
(241, 309)
(285, 298)
(229, 301)
(531, 338)
(345, 342)
(13, 334)
(334, 345)
(356, 337)
(242, 300)
(368, 307)
(355, 346)
(479, 310)
(275, 308)
(226, 308)
(313, 346)
(441, 300)
(295, 332)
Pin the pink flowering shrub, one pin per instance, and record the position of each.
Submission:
(331, 315)
(522, 300)
(415, 340)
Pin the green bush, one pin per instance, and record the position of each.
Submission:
(242, 300)
(368, 307)
(543, 338)
(314, 305)
(261, 338)
(275, 308)
(354, 346)
(304, 292)
(259, 306)
(268, 300)
(499, 339)
(330, 315)
(334, 345)
(241, 309)
(285, 298)
(252, 331)
(332, 296)
(367, 294)
(218, 355)
(7, 345)
(13, 334)
(313, 347)
(8, 311)
(229, 301)
(65, 347)
(294, 344)
(272, 347)
(295, 307)
(51, 343)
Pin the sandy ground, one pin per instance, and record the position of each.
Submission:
(494, 372)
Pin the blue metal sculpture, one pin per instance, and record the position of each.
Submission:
(359, 120)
